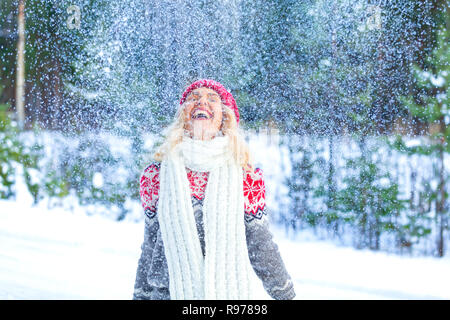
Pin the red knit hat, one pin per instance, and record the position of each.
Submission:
(226, 97)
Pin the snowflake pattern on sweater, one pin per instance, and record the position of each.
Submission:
(254, 190)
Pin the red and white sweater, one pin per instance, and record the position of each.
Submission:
(152, 276)
(254, 190)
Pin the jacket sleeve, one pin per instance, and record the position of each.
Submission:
(143, 288)
(263, 251)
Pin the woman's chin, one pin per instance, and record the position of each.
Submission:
(203, 133)
(202, 136)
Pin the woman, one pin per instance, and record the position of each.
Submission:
(206, 232)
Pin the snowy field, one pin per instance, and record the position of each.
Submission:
(74, 252)
(63, 254)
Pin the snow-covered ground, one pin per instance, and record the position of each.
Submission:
(63, 254)
(73, 252)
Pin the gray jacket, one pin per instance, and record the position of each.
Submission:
(152, 277)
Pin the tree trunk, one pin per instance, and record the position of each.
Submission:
(412, 205)
(440, 200)
(331, 197)
(20, 67)
(377, 234)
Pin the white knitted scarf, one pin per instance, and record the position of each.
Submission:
(225, 273)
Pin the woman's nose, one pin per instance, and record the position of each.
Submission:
(203, 100)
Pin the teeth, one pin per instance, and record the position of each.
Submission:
(200, 114)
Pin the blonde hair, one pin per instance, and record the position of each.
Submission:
(238, 146)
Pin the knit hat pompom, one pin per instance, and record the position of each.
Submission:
(227, 97)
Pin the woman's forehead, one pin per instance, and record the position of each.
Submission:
(204, 90)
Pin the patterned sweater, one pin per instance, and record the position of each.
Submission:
(152, 276)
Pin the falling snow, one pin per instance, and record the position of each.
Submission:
(344, 105)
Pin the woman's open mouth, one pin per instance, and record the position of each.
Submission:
(200, 114)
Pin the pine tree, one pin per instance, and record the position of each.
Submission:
(432, 107)
(370, 200)
(304, 161)
(326, 191)
(15, 154)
